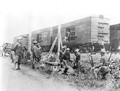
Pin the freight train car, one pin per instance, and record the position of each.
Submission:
(43, 37)
(84, 33)
(115, 36)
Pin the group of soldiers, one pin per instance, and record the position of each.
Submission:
(107, 65)
(4, 50)
(67, 59)
(19, 52)
(104, 66)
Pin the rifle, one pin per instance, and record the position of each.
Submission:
(110, 54)
(91, 60)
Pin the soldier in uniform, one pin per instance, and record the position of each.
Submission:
(77, 54)
(34, 48)
(66, 58)
(102, 69)
(18, 52)
(38, 53)
(12, 54)
(62, 52)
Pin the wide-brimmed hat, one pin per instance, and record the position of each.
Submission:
(35, 42)
(103, 51)
(68, 49)
(76, 50)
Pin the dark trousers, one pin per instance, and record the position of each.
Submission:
(33, 61)
(34, 57)
(19, 61)
(11, 56)
(65, 71)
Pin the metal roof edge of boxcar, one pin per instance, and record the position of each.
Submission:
(40, 30)
(115, 24)
(21, 35)
(70, 23)
(115, 27)
(96, 16)
(78, 20)
(74, 22)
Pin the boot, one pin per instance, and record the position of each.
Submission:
(18, 67)
(33, 67)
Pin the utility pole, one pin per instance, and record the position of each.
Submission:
(59, 40)
(29, 44)
(30, 29)
(59, 37)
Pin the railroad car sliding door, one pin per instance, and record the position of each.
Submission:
(70, 34)
(39, 38)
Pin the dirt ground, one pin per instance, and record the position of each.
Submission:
(33, 80)
(29, 80)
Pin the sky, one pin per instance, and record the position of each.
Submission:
(19, 17)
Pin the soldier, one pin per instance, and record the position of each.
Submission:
(38, 52)
(77, 54)
(34, 48)
(1, 50)
(18, 52)
(27, 54)
(67, 55)
(104, 64)
(12, 54)
(66, 58)
(62, 52)
(102, 69)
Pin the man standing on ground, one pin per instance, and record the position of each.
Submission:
(18, 52)
(34, 49)
(38, 52)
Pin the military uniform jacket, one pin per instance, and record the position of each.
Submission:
(36, 51)
(103, 61)
(18, 49)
